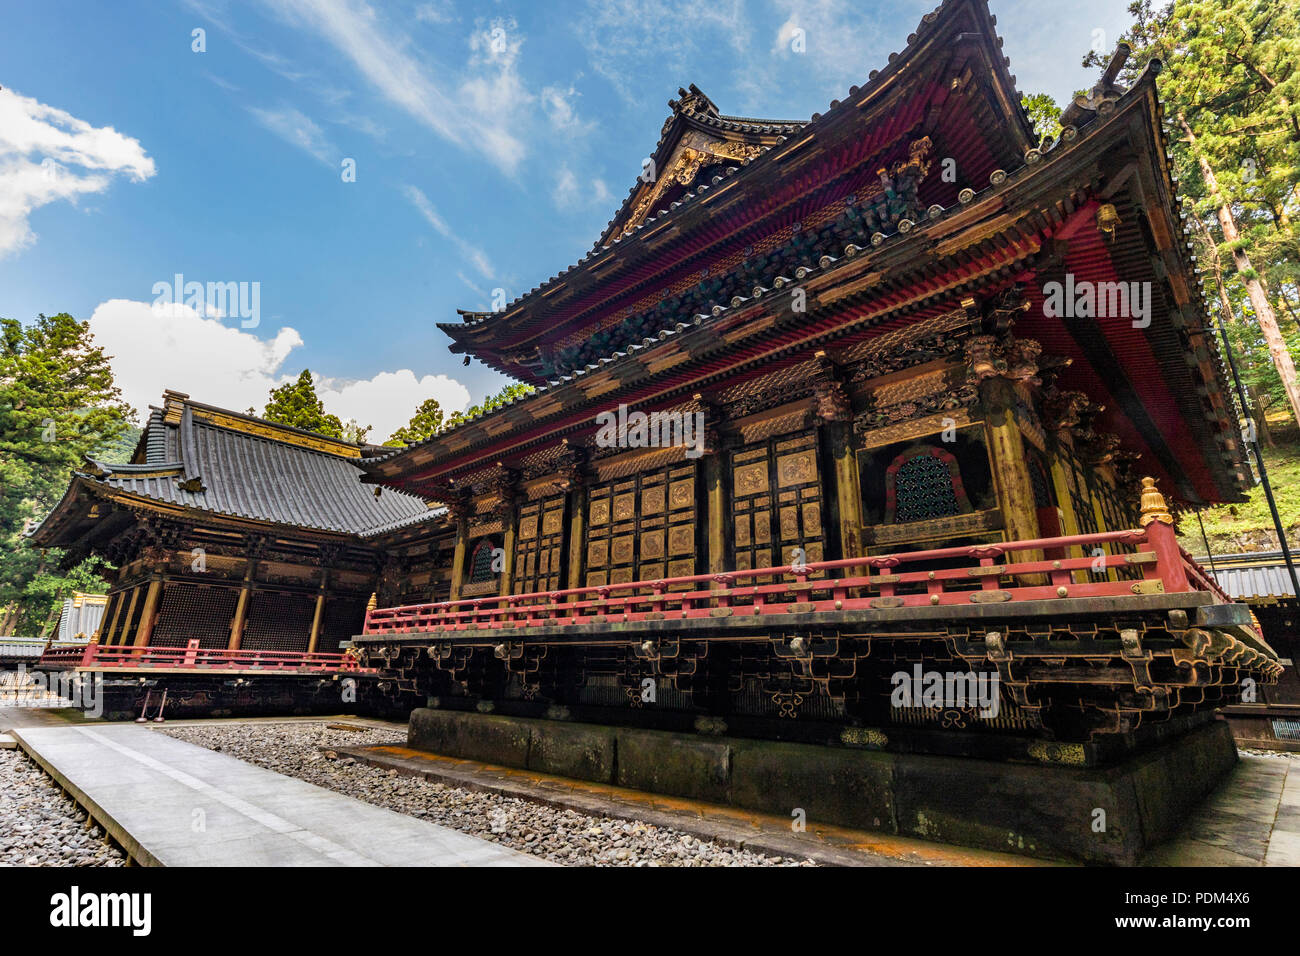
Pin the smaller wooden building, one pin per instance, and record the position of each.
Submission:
(243, 534)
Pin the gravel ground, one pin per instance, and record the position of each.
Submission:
(39, 826)
(562, 836)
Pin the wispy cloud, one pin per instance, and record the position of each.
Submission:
(48, 155)
(626, 39)
(473, 110)
(438, 12)
(475, 256)
(569, 193)
(297, 129)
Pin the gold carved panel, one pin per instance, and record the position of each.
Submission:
(624, 507)
(652, 545)
(622, 550)
(789, 524)
(681, 569)
(751, 479)
(598, 553)
(682, 494)
(528, 528)
(796, 469)
(553, 522)
(600, 511)
(652, 501)
(681, 540)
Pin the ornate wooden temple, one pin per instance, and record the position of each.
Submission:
(934, 356)
(236, 532)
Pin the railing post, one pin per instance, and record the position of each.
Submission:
(88, 655)
(1159, 525)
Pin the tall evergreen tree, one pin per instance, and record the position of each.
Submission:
(424, 424)
(58, 404)
(1231, 85)
(297, 405)
(510, 393)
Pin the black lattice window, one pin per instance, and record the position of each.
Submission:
(194, 612)
(1042, 487)
(341, 621)
(480, 564)
(922, 484)
(278, 622)
(1080, 498)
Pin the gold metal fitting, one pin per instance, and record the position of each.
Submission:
(1107, 220)
(1153, 504)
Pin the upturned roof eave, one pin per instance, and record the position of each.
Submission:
(927, 40)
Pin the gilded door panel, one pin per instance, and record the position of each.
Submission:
(777, 502)
(646, 518)
(541, 533)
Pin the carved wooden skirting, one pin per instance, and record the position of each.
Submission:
(643, 527)
(915, 531)
(539, 546)
(777, 501)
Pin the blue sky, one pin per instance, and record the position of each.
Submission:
(491, 141)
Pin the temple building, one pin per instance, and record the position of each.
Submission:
(907, 325)
(239, 533)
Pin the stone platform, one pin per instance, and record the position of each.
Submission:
(1097, 815)
(170, 803)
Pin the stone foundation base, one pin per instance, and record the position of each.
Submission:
(1094, 815)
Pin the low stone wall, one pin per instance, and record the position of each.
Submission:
(1094, 815)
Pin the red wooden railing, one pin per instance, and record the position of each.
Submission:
(982, 579)
(214, 659)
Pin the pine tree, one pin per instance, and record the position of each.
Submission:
(297, 405)
(510, 393)
(424, 424)
(1232, 83)
(58, 404)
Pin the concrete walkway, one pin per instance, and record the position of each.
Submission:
(1251, 819)
(169, 803)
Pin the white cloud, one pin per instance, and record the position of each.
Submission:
(474, 255)
(559, 106)
(473, 112)
(569, 193)
(437, 12)
(48, 155)
(297, 129)
(171, 346)
(630, 39)
(388, 400)
(842, 41)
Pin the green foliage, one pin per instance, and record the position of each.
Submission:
(511, 392)
(424, 424)
(1044, 114)
(1232, 70)
(58, 404)
(297, 405)
(1248, 526)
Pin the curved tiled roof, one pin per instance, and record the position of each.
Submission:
(256, 474)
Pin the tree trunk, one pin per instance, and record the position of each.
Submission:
(1254, 288)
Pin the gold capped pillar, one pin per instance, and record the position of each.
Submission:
(507, 487)
(998, 363)
(150, 612)
(573, 472)
(458, 506)
(835, 411)
(241, 608)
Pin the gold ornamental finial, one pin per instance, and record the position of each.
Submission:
(1153, 504)
(374, 599)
